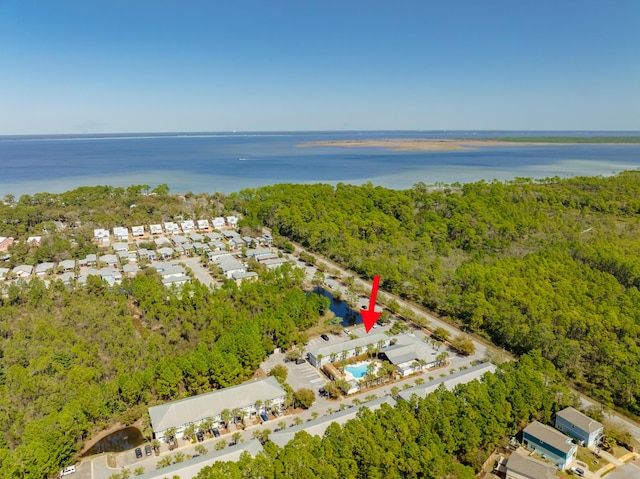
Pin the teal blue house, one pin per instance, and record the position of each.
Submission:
(549, 444)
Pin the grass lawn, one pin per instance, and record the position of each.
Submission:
(619, 451)
(593, 463)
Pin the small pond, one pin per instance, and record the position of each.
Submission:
(350, 317)
(121, 440)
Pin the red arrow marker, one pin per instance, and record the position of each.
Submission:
(369, 316)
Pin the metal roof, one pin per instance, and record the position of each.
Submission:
(579, 420)
(529, 467)
(202, 406)
(550, 436)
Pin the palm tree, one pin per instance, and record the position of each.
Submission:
(371, 350)
(320, 356)
(155, 444)
(236, 415)
(206, 425)
(282, 425)
(344, 354)
(333, 357)
(267, 405)
(236, 436)
(226, 416)
(394, 391)
(258, 406)
(358, 350)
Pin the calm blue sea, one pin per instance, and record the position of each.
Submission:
(226, 162)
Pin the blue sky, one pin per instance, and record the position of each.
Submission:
(142, 66)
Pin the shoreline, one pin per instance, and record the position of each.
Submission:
(436, 144)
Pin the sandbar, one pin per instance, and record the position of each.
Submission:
(411, 144)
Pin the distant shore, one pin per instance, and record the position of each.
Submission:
(462, 144)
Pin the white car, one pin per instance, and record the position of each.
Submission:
(68, 470)
(347, 331)
(578, 471)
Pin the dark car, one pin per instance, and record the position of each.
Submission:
(325, 337)
(200, 436)
(264, 416)
(216, 433)
(300, 361)
(147, 450)
(138, 453)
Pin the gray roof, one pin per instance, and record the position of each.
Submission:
(66, 277)
(274, 262)
(258, 252)
(529, 467)
(196, 237)
(580, 420)
(317, 427)
(449, 382)
(248, 274)
(109, 258)
(214, 236)
(196, 408)
(3, 272)
(44, 267)
(550, 436)
(409, 348)
(190, 469)
(130, 268)
(229, 263)
(67, 264)
(23, 268)
(162, 240)
(326, 351)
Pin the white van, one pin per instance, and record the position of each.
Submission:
(68, 470)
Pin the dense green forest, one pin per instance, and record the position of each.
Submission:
(447, 434)
(552, 265)
(72, 362)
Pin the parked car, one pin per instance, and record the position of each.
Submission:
(147, 450)
(325, 337)
(578, 471)
(216, 433)
(138, 453)
(300, 361)
(347, 331)
(264, 416)
(199, 436)
(68, 470)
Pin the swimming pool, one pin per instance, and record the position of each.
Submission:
(358, 371)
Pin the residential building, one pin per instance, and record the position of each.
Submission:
(521, 466)
(214, 236)
(120, 246)
(228, 234)
(67, 278)
(579, 426)
(164, 253)
(187, 226)
(44, 268)
(171, 228)
(130, 270)
(100, 234)
(230, 265)
(259, 253)
(218, 222)
(549, 443)
(232, 221)
(23, 271)
(179, 414)
(109, 260)
(241, 277)
(138, 231)
(155, 229)
(34, 240)
(449, 382)
(3, 273)
(320, 356)
(177, 239)
(410, 355)
(196, 237)
(162, 241)
(203, 225)
(274, 263)
(67, 265)
(120, 233)
(5, 242)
